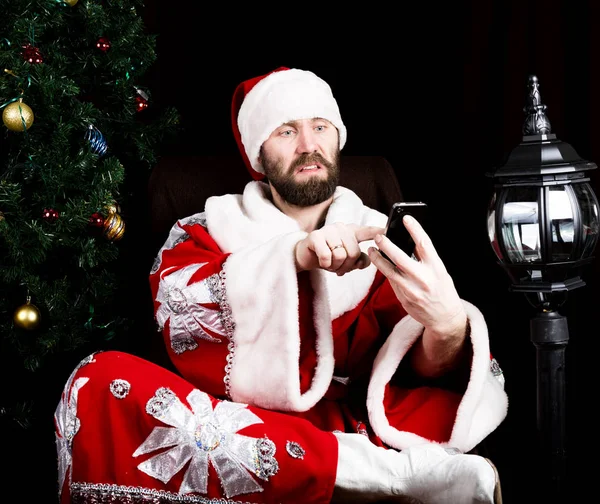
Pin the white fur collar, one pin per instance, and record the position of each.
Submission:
(237, 221)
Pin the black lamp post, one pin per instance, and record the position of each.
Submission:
(543, 225)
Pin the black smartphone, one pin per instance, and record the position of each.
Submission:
(395, 229)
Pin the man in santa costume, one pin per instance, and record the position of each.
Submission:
(311, 368)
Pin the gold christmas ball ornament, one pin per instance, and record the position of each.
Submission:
(114, 227)
(17, 116)
(70, 3)
(27, 316)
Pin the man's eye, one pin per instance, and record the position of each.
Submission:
(320, 128)
(286, 133)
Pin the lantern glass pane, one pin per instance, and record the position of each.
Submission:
(491, 226)
(588, 205)
(520, 225)
(561, 213)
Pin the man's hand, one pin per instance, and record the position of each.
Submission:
(428, 294)
(335, 247)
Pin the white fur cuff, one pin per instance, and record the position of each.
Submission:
(265, 368)
(483, 406)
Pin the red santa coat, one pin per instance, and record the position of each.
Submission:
(307, 353)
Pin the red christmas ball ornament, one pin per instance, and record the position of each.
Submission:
(50, 215)
(96, 220)
(103, 44)
(141, 100)
(140, 104)
(32, 54)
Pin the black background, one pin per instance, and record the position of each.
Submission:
(439, 91)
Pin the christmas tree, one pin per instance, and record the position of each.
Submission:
(79, 128)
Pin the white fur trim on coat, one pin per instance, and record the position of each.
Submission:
(265, 368)
(261, 239)
(281, 97)
(484, 404)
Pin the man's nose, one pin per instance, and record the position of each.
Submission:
(307, 140)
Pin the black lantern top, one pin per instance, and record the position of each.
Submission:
(543, 221)
(540, 152)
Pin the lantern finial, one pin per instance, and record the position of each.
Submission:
(536, 122)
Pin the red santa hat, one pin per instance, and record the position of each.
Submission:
(262, 104)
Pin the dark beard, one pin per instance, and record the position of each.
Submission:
(303, 194)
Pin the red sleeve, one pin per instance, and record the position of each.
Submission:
(408, 406)
(187, 291)
(405, 412)
(368, 326)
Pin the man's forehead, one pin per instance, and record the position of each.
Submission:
(297, 122)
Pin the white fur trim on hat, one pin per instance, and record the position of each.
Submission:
(287, 95)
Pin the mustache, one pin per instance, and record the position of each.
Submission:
(310, 158)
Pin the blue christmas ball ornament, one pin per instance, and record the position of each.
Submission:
(96, 140)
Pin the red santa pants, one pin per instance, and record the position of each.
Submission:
(130, 431)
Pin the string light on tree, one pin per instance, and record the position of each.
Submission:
(27, 316)
(17, 116)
